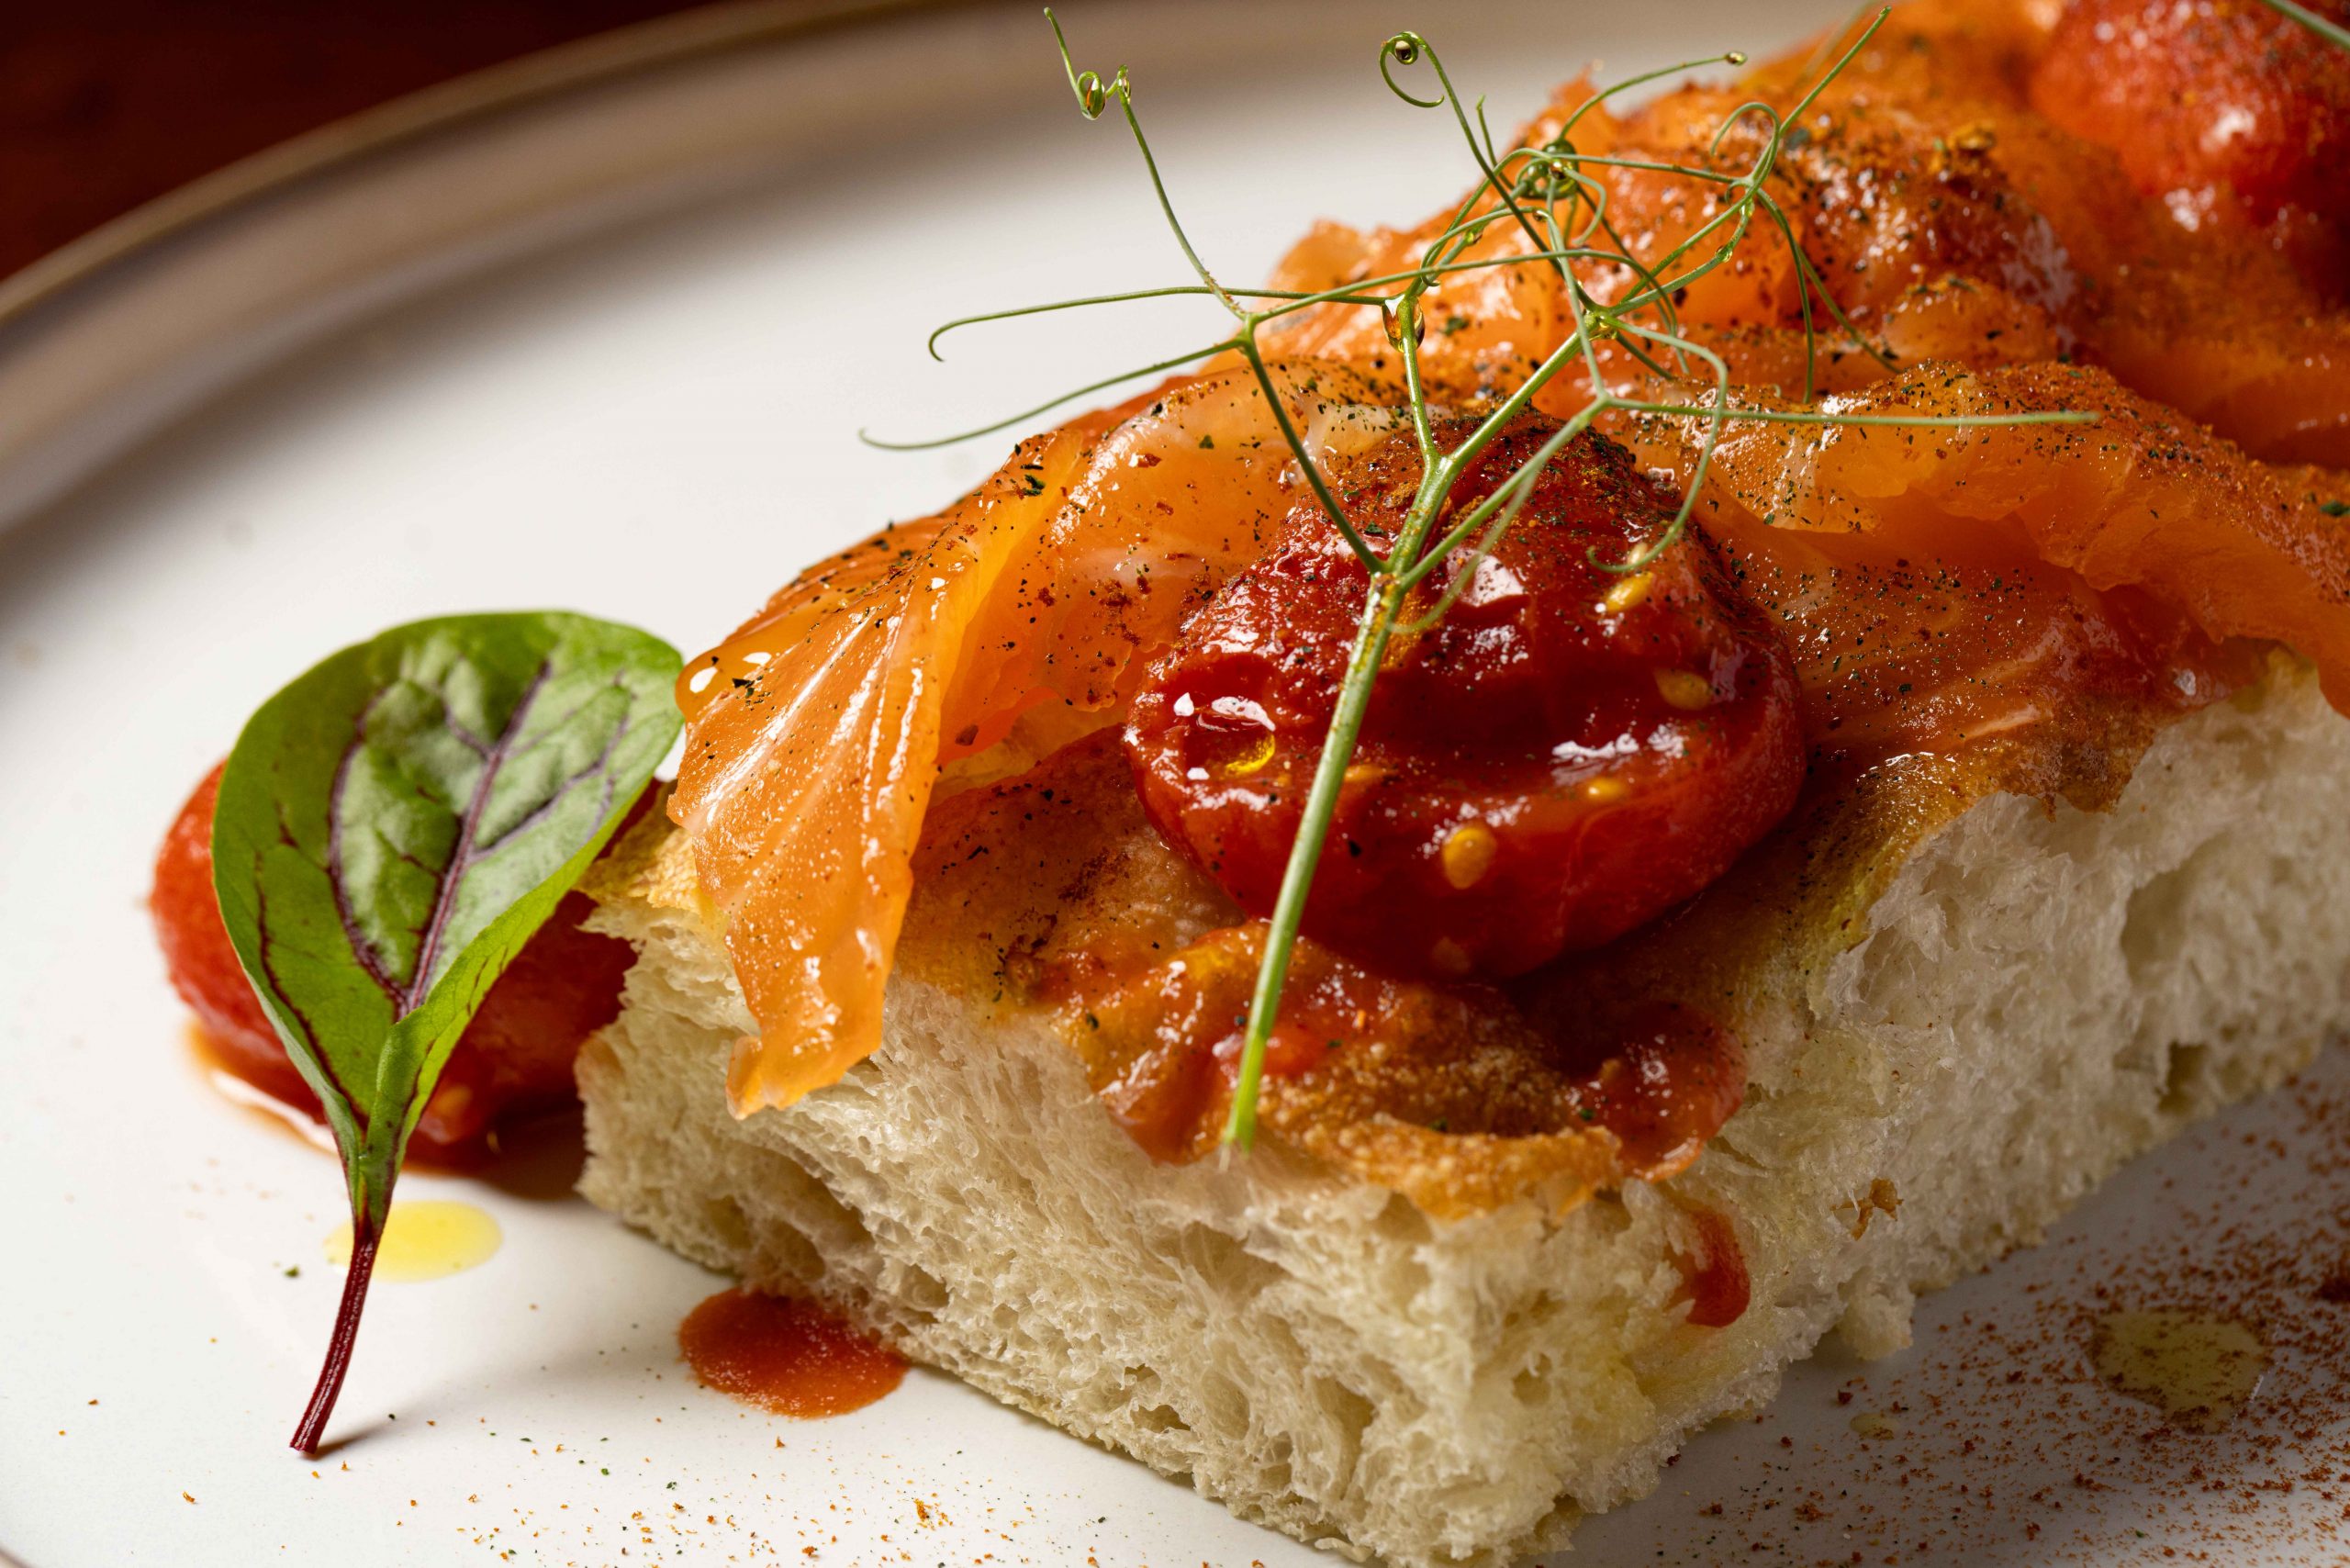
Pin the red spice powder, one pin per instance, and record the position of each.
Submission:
(1995, 1439)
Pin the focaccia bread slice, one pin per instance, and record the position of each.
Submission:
(1965, 998)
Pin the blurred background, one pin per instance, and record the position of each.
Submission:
(105, 104)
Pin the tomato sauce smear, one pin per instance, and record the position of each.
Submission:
(786, 1354)
(513, 1062)
(1632, 1088)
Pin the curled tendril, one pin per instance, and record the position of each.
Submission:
(1405, 48)
(1092, 95)
(1552, 175)
(1760, 110)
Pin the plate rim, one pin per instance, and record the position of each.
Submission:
(636, 49)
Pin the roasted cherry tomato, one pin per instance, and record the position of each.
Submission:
(2209, 99)
(514, 1059)
(1563, 755)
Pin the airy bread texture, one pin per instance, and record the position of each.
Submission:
(2034, 996)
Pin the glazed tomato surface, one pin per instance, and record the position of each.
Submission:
(2210, 99)
(1565, 754)
(514, 1059)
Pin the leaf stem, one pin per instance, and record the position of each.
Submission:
(1246, 346)
(1891, 421)
(1129, 296)
(1225, 346)
(1093, 96)
(366, 1233)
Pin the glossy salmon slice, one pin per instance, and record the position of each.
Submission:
(970, 642)
(2184, 547)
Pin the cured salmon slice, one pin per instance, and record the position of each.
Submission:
(2143, 500)
(1019, 618)
(976, 641)
(1940, 587)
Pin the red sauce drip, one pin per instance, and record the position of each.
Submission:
(1671, 1078)
(1718, 1285)
(1176, 1094)
(785, 1354)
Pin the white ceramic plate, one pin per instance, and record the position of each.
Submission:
(607, 344)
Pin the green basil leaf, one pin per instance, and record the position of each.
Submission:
(391, 829)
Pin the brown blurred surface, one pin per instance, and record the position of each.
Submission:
(105, 104)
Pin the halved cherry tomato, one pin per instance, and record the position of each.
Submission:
(514, 1059)
(1565, 754)
(2207, 99)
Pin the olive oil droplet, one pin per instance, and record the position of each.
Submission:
(2197, 1369)
(425, 1240)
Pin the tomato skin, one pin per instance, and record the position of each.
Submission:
(513, 1060)
(1541, 770)
(2209, 98)
(203, 965)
